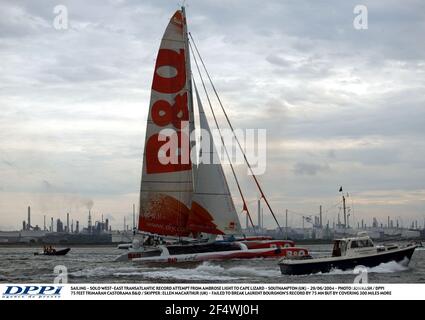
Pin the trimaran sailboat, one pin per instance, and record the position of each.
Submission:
(182, 199)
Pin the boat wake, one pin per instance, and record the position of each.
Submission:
(100, 272)
(388, 267)
(206, 271)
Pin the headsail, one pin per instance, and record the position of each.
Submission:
(213, 210)
(166, 187)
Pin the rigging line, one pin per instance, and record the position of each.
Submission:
(236, 138)
(245, 207)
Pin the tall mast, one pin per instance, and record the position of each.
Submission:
(189, 89)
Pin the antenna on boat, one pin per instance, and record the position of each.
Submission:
(344, 207)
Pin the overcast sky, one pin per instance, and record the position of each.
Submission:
(341, 106)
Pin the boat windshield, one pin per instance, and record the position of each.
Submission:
(339, 248)
(365, 243)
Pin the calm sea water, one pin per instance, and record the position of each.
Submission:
(96, 265)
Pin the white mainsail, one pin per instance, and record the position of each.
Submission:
(167, 184)
(213, 210)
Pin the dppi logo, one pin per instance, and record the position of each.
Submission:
(32, 291)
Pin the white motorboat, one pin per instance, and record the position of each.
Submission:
(348, 253)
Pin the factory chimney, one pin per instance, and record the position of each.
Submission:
(67, 222)
(134, 217)
(77, 227)
(320, 216)
(29, 218)
(262, 218)
(259, 213)
(89, 222)
(44, 223)
(51, 224)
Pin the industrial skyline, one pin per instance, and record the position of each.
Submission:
(340, 105)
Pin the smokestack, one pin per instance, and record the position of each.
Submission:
(259, 214)
(77, 227)
(29, 218)
(286, 224)
(89, 222)
(67, 222)
(134, 216)
(51, 224)
(320, 217)
(72, 226)
(44, 223)
(262, 218)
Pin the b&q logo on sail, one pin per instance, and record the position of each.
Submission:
(13, 292)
